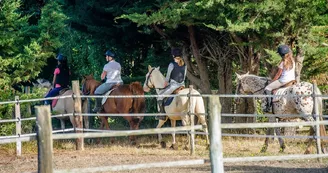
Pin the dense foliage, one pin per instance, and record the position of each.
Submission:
(218, 38)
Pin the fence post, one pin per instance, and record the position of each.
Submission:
(77, 109)
(191, 114)
(317, 119)
(44, 137)
(28, 107)
(18, 127)
(216, 154)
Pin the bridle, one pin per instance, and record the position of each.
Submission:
(148, 78)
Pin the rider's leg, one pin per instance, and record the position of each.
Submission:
(167, 91)
(268, 91)
(102, 89)
(52, 93)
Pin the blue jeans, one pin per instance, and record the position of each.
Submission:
(103, 88)
(52, 93)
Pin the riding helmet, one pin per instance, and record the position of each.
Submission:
(283, 49)
(61, 57)
(176, 52)
(109, 53)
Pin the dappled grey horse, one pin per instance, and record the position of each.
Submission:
(290, 101)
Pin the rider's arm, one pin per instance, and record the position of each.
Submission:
(54, 81)
(168, 74)
(279, 72)
(103, 75)
(56, 72)
(169, 71)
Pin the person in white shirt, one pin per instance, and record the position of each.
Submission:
(285, 74)
(112, 73)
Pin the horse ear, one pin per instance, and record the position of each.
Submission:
(238, 76)
(157, 68)
(247, 73)
(149, 68)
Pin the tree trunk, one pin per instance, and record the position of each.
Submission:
(249, 63)
(225, 87)
(298, 63)
(201, 63)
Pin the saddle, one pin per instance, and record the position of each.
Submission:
(281, 90)
(61, 92)
(168, 100)
(108, 93)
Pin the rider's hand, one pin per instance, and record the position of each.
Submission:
(165, 83)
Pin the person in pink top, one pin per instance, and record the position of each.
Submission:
(60, 79)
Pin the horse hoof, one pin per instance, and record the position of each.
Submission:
(307, 152)
(174, 147)
(264, 149)
(282, 149)
(163, 144)
(134, 143)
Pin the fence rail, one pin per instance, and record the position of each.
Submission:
(217, 159)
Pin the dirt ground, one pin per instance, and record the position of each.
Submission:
(119, 153)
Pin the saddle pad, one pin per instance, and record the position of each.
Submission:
(168, 101)
(279, 94)
(54, 102)
(105, 98)
(61, 92)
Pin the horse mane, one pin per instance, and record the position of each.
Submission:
(255, 76)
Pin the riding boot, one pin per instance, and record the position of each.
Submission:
(161, 110)
(98, 105)
(269, 101)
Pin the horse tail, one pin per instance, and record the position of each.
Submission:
(139, 103)
(318, 101)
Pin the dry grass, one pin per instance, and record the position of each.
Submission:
(148, 151)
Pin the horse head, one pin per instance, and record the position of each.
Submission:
(250, 84)
(89, 85)
(154, 79)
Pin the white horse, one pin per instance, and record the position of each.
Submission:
(294, 103)
(155, 79)
(65, 105)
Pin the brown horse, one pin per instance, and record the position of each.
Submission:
(119, 105)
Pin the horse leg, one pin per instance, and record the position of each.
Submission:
(309, 141)
(101, 127)
(202, 121)
(185, 123)
(159, 125)
(173, 146)
(133, 126)
(266, 142)
(281, 141)
(62, 124)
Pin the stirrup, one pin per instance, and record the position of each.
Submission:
(96, 109)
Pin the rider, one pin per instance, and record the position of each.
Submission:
(60, 79)
(285, 74)
(175, 77)
(112, 72)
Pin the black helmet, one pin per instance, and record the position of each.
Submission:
(283, 50)
(109, 53)
(61, 57)
(176, 52)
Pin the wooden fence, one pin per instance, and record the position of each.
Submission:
(45, 137)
